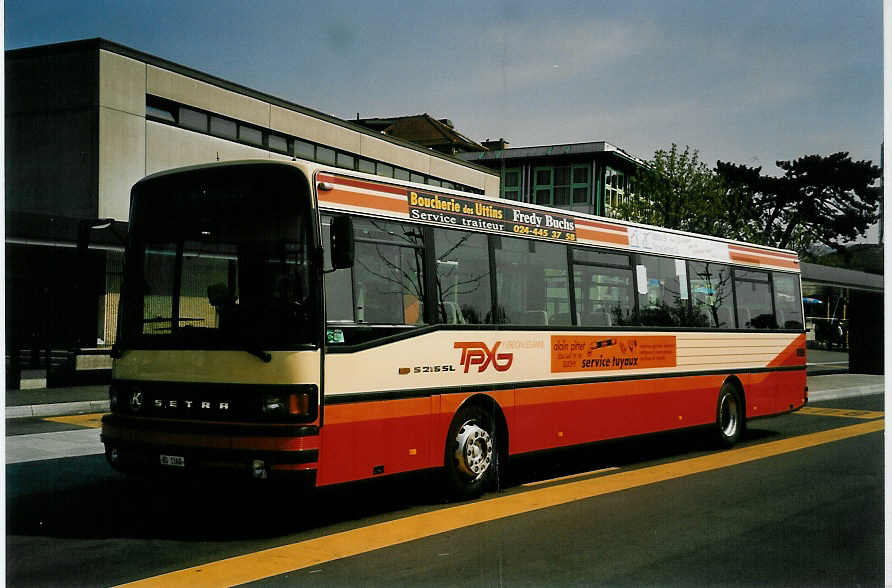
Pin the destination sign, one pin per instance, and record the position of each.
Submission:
(467, 213)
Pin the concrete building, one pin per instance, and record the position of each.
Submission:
(85, 120)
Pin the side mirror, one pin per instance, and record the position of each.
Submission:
(342, 244)
(83, 232)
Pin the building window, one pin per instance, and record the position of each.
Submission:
(542, 185)
(304, 150)
(345, 161)
(581, 186)
(250, 135)
(614, 190)
(192, 119)
(561, 188)
(511, 184)
(222, 127)
(277, 143)
(170, 112)
(160, 113)
(325, 155)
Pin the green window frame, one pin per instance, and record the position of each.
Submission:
(562, 186)
(560, 192)
(543, 185)
(511, 183)
(580, 188)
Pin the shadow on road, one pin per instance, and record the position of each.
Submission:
(84, 498)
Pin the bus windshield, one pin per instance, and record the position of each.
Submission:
(220, 259)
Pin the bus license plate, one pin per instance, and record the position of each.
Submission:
(173, 460)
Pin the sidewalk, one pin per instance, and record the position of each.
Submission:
(834, 386)
(47, 402)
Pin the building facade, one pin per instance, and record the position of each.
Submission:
(583, 177)
(86, 120)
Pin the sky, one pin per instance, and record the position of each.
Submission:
(749, 82)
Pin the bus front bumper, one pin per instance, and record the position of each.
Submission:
(262, 451)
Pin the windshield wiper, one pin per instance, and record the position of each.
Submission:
(117, 352)
(263, 355)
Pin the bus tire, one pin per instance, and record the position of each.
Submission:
(472, 454)
(730, 419)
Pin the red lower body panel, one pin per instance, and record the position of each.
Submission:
(364, 439)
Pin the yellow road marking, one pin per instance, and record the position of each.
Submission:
(840, 412)
(84, 420)
(288, 558)
(570, 477)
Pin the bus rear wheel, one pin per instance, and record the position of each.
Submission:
(472, 454)
(730, 416)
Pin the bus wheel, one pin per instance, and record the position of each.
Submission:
(730, 417)
(471, 452)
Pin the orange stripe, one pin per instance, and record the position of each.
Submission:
(398, 190)
(602, 236)
(375, 410)
(613, 389)
(597, 225)
(296, 466)
(757, 251)
(740, 258)
(276, 443)
(364, 201)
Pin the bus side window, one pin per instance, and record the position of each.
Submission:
(389, 272)
(532, 282)
(787, 300)
(754, 304)
(603, 288)
(462, 277)
(712, 295)
(663, 301)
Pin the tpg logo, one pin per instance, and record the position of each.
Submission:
(477, 353)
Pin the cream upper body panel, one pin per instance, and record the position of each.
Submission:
(229, 367)
(445, 359)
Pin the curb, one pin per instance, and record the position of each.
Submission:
(837, 393)
(58, 409)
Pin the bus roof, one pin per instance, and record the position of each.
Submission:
(371, 195)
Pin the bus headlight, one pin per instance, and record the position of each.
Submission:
(273, 404)
(293, 403)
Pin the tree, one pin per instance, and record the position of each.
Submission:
(677, 191)
(819, 200)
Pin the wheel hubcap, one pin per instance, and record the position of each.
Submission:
(474, 450)
(729, 415)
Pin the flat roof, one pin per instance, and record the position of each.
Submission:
(837, 276)
(104, 44)
(591, 147)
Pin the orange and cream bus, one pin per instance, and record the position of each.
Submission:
(285, 317)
